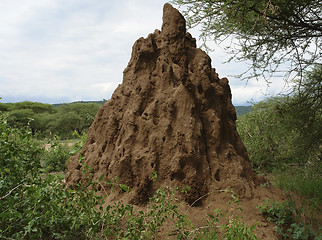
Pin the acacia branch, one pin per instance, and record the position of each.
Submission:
(301, 24)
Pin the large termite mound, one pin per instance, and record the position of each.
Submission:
(171, 115)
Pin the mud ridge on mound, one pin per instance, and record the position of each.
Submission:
(171, 115)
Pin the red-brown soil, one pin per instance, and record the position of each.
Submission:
(173, 115)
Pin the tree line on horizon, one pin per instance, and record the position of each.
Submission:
(48, 120)
(62, 119)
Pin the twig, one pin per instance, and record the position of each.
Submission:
(218, 190)
(198, 229)
(197, 201)
(10, 192)
(102, 187)
(249, 134)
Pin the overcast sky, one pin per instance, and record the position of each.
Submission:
(55, 51)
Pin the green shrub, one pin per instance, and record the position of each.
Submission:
(46, 121)
(288, 220)
(286, 130)
(37, 205)
(54, 159)
(302, 181)
(273, 139)
(34, 205)
(269, 143)
(20, 156)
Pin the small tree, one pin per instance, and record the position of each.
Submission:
(287, 129)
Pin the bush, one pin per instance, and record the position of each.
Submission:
(270, 144)
(273, 138)
(286, 130)
(54, 159)
(20, 163)
(36, 205)
(288, 220)
(301, 181)
(20, 156)
(46, 121)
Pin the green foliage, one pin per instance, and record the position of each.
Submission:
(20, 158)
(154, 176)
(305, 111)
(20, 154)
(3, 107)
(35, 107)
(237, 230)
(232, 229)
(73, 117)
(96, 102)
(34, 205)
(45, 210)
(37, 205)
(27, 113)
(287, 218)
(303, 181)
(55, 157)
(47, 121)
(283, 137)
(241, 110)
(269, 142)
(286, 130)
(266, 33)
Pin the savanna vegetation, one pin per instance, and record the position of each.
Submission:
(284, 139)
(48, 120)
(285, 131)
(35, 204)
(283, 142)
(282, 136)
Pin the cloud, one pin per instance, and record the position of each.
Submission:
(57, 48)
(257, 90)
(59, 51)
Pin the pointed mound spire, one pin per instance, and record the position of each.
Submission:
(174, 23)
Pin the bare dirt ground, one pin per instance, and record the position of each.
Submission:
(69, 144)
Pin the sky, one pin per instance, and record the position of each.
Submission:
(59, 51)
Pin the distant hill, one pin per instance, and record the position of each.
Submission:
(99, 102)
(241, 110)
